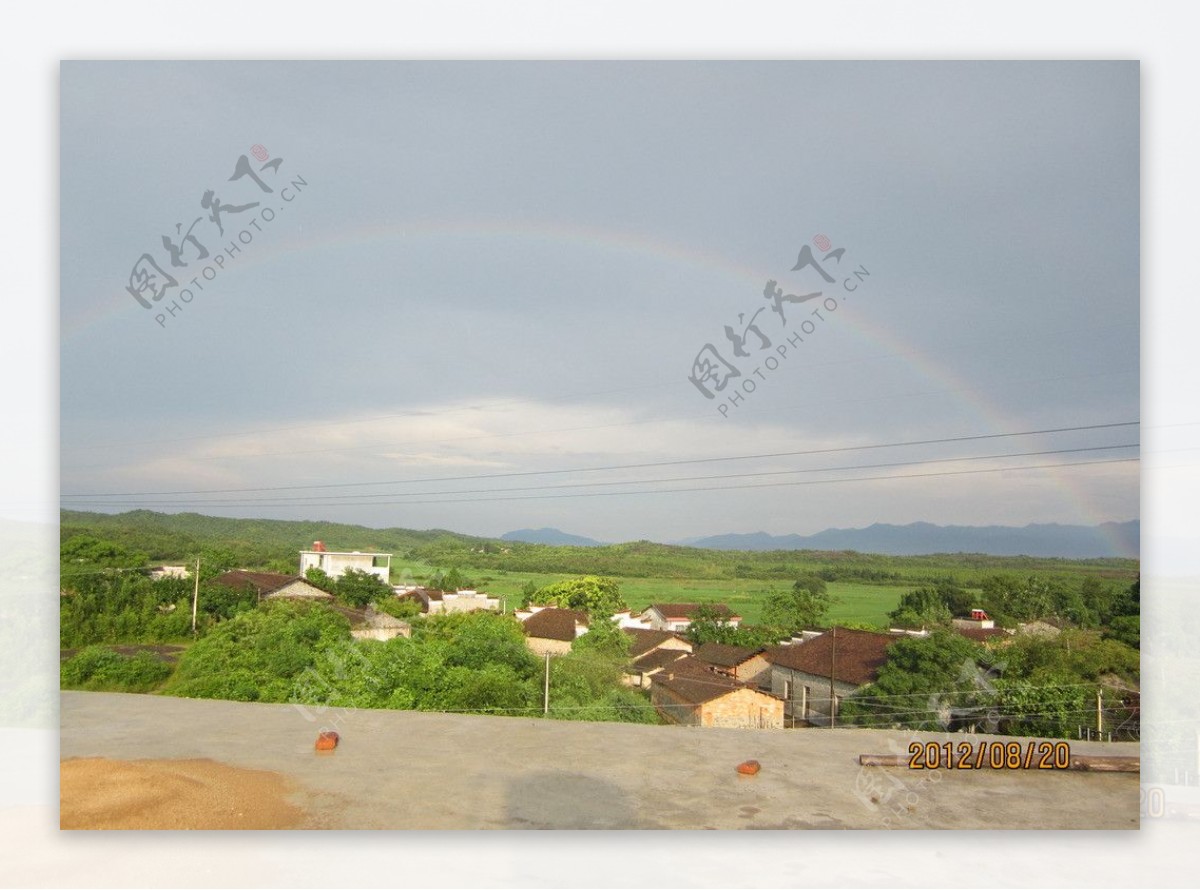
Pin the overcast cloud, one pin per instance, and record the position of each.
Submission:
(497, 270)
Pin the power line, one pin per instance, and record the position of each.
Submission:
(272, 500)
(637, 466)
(591, 494)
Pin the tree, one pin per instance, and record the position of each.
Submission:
(921, 681)
(1009, 600)
(259, 655)
(710, 626)
(955, 598)
(80, 553)
(923, 607)
(221, 602)
(357, 588)
(405, 609)
(1126, 629)
(99, 668)
(476, 639)
(453, 580)
(599, 597)
(319, 578)
(1129, 601)
(585, 684)
(606, 637)
(806, 605)
(1055, 704)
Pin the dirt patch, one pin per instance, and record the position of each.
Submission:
(172, 794)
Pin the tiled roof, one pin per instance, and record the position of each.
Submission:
(423, 595)
(685, 611)
(723, 655)
(658, 658)
(554, 624)
(262, 582)
(642, 640)
(856, 655)
(693, 681)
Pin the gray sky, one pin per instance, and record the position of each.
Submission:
(498, 269)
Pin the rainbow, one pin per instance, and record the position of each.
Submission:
(287, 240)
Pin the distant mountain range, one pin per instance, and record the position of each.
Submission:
(1119, 539)
(1046, 540)
(549, 536)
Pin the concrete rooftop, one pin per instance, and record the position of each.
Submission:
(403, 769)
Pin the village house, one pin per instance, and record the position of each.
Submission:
(977, 619)
(643, 640)
(986, 635)
(737, 662)
(375, 625)
(651, 651)
(272, 585)
(643, 668)
(438, 602)
(551, 630)
(626, 619)
(814, 677)
(678, 616)
(337, 563)
(690, 693)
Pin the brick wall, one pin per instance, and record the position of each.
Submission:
(541, 645)
(744, 708)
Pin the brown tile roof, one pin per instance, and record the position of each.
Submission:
(693, 681)
(643, 640)
(981, 634)
(687, 610)
(856, 655)
(723, 655)
(356, 617)
(262, 582)
(554, 624)
(658, 658)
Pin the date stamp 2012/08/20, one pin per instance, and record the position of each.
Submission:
(989, 755)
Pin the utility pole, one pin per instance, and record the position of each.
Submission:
(546, 689)
(195, 595)
(1100, 714)
(832, 666)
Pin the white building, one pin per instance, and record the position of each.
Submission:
(337, 563)
(436, 602)
(677, 617)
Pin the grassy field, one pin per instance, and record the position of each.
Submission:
(866, 603)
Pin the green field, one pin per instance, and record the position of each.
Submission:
(854, 602)
(864, 586)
